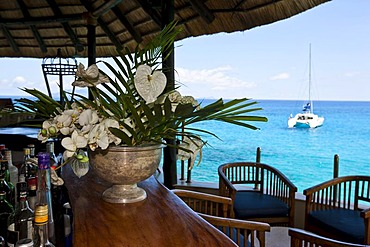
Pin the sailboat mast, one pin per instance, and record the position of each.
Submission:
(309, 80)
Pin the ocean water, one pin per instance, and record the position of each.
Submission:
(305, 156)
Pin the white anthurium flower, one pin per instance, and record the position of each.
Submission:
(90, 77)
(149, 85)
(71, 144)
(98, 137)
(195, 146)
(87, 117)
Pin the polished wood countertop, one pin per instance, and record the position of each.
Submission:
(162, 219)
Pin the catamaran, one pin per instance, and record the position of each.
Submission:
(306, 119)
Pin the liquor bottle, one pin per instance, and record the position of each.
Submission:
(32, 150)
(25, 167)
(2, 242)
(5, 210)
(41, 232)
(20, 223)
(4, 186)
(32, 168)
(44, 192)
(2, 147)
(32, 191)
(53, 158)
(13, 170)
(25, 242)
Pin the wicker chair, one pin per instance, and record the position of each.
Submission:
(269, 198)
(334, 210)
(302, 238)
(211, 207)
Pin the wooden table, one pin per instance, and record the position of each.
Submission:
(162, 219)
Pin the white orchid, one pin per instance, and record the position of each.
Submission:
(98, 137)
(109, 122)
(71, 144)
(65, 121)
(90, 77)
(88, 117)
(49, 129)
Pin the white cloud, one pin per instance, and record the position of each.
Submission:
(215, 82)
(19, 80)
(281, 76)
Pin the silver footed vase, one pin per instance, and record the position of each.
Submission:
(124, 167)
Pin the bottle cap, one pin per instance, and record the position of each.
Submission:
(44, 160)
(41, 214)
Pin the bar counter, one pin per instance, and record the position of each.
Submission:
(162, 219)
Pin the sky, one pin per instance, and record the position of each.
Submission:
(266, 62)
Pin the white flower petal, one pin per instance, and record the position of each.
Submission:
(80, 142)
(68, 144)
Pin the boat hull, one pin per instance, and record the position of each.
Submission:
(308, 120)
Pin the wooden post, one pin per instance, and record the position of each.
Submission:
(169, 154)
(91, 44)
(336, 166)
(258, 155)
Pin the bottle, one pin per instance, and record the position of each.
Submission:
(53, 158)
(32, 168)
(5, 210)
(25, 167)
(13, 170)
(32, 190)
(32, 150)
(44, 193)
(13, 173)
(2, 147)
(4, 186)
(25, 242)
(20, 223)
(2, 242)
(41, 232)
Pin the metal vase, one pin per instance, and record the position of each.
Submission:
(124, 167)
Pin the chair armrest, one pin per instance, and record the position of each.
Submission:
(297, 236)
(206, 203)
(202, 196)
(226, 188)
(365, 213)
(230, 226)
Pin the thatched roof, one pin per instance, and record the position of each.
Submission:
(37, 28)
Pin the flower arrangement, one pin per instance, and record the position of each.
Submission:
(133, 108)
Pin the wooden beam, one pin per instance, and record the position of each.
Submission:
(202, 10)
(40, 20)
(151, 12)
(104, 8)
(10, 39)
(127, 24)
(35, 32)
(67, 28)
(104, 26)
(110, 34)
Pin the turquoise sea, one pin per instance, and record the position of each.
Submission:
(305, 156)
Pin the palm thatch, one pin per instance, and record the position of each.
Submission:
(37, 28)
